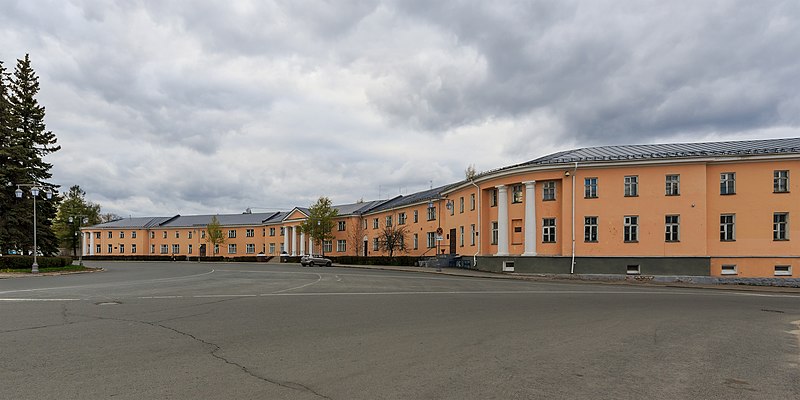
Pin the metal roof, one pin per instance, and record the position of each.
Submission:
(139, 222)
(224, 220)
(419, 197)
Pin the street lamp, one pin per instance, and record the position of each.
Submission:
(35, 189)
(82, 219)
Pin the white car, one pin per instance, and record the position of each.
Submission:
(312, 260)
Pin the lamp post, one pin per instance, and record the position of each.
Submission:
(35, 189)
(82, 219)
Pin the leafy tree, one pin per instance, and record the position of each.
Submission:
(76, 207)
(319, 224)
(392, 238)
(25, 143)
(214, 234)
(357, 236)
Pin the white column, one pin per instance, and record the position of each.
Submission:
(302, 243)
(502, 220)
(286, 239)
(530, 218)
(294, 241)
(83, 243)
(91, 243)
(311, 246)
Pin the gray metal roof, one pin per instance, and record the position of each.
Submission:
(672, 150)
(139, 222)
(224, 220)
(419, 197)
(357, 208)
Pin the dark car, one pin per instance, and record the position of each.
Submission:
(312, 260)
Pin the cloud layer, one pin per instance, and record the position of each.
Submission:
(167, 107)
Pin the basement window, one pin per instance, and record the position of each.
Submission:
(729, 270)
(634, 270)
(783, 270)
(508, 266)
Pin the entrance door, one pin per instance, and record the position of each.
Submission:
(453, 241)
(202, 250)
(366, 243)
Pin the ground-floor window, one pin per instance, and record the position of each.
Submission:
(416, 241)
(232, 248)
(431, 240)
(164, 249)
(548, 230)
(341, 246)
(494, 232)
(327, 246)
(272, 248)
(133, 248)
(590, 229)
(121, 248)
(176, 249)
(250, 248)
(631, 228)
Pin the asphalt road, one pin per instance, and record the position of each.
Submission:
(247, 331)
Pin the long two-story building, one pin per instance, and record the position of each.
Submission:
(720, 208)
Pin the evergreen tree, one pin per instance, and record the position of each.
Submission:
(27, 143)
(76, 207)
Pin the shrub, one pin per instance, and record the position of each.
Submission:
(25, 262)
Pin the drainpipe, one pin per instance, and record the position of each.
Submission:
(477, 231)
(572, 265)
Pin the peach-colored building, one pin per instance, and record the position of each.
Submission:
(719, 209)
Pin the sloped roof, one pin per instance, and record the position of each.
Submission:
(224, 219)
(139, 222)
(419, 197)
(357, 208)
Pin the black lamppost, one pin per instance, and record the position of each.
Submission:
(35, 189)
(81, 219)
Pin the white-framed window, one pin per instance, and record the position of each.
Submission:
(631, 186)
(548, 230)
(416, 241)
(729, 269)
(133, 234)
(263, 232)
(110, 249)
(472, 235)
(431, 240)
(165, 234)
(341, 225)
(231, 233)
(375, 244)
(783, 270)
(97, 248)
(461, 205)
(780, 181)
(272, 248)
(493, 197)
(176, 249)
(250, 233)
(133, 248)
(177, 234)
(472, 201)
(590, 188)
(672, 225)
(202, 234)
(590, 229)
(327, 246)
(364, 223)
(634, 269)
(232, 248)
(727, 227)
(727, 183)
(250, 248)
(631, 228)
(494, 232)
(461, 235)
(122, 234)
(272, 231)
(780, 226)
(122, 248)
(283, 231)
(672, 185)
(341, 246)
(516, 194)
(416, 216)
(110, 235)
(374, 223)
(152, 235)
(189, 249)
(388, 221)
(401, 218)
(189, 234)
(549, 191)
(164, 249)
(216, 249)
(97, 235)
(152, 248)
(431, 213)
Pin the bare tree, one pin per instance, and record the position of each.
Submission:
(470, 172)
(357, 237)
(392, 238)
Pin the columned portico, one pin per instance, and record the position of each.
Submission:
(502, 220)
(294, 241)
(530, 218)
(302, 243)
(91, 243)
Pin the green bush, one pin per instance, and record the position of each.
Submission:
(399, 261)
(25, 262)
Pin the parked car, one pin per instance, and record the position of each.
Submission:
(312, 260)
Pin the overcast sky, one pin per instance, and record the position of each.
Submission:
(186, 107)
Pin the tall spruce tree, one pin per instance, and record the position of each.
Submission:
(75, 207)
(27, 143)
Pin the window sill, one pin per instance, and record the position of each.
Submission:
(548, 199)
(727, 240)
(780, 240)
(727, 194)
(672, 195)
(781, 192)
(631, 195)
(592, 197)
(672, 241)
(591, 241)
(631, 241)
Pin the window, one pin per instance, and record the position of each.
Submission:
(164, 234)
(633, 270)
(729, 270)
(164, 249)
(374, 223)
(250, 233)
(451, 205)
(549, 191)
(263, 232)
(177, 235)
(97, 234)
(590, 188)
(673, 185)
(780, 182)
(202, 234)
(727, 183)
(110, 249)
(631, 186)
(548, 230)
(364, 223)
(783, 270)
(388, 221)
(727, 227)
(152, 235)
(121, 248)
(631, 228)
(189, 249)
(327, 246)
(590, 229)
(341, 246)
(283, 230)
(152, 249)
(672, 228)
(272, 231)
(472, 235)
(401, 218)
(341, 226)
(232, 248)
(122, 234)
(133, 248)
(375, 244)
(431, 213)
(282, 248)
(110, 234)
(272, 248)
(416, 216)
(416, 241)
(97, 248)
(461, 236)
(176, 248)
(231, 233)
(472, 202)
(780, 223)
(189, 234)
(250, 248)
(516, 194)
(431, 240)
(494, 232)
(461, 204)
(493, 198)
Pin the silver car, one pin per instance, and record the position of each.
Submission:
(312, 260)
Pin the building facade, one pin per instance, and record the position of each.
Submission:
(719, 209)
